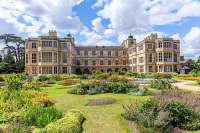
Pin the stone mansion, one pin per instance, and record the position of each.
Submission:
(53, 55)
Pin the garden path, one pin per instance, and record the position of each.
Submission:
(187, 85)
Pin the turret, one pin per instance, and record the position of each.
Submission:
(70, 37)
(129, 42)
(52, 33)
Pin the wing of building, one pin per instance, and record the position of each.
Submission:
(52, 55)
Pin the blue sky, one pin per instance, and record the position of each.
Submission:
(105, 22)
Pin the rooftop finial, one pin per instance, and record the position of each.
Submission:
(130, 36)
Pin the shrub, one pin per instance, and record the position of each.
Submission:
(162, 75)
(179, 113)
(14, 81)
(42, 78)
(30, 86)
(84, 76)
(161, 84)
(131, 74)
(165, 112)
(56, 77)
(12, 101)
(40, 116)
(70, 123)
(103, 87)
(117, 78)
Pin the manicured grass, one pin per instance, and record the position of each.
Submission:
(99, 119)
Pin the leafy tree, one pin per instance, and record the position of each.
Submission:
(15, 47)
(196, 65)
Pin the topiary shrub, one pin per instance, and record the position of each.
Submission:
(70, 123)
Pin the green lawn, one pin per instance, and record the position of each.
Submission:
(99, 119)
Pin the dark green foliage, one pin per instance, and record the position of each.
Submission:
(84, 76)
(179, 113)
(104, 87)
(166, 112)
(14, 81)
(42, 78)
(40, 116)
(131, 74)
(56, 77)
(196, 68)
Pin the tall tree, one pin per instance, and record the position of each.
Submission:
(15, 45)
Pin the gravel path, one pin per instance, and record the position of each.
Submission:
(187, 85)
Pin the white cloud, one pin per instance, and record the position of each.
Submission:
(35, 16)
(94, 39)
(97, 26)
(192, 42)
(165, 12)
(126, 17)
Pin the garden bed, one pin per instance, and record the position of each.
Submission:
(103, 101)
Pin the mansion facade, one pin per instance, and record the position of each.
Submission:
(53, 55)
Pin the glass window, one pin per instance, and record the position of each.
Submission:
(46, 57)
(64, 57)
(55, 70)
(78, 52)
(94, 62)
(109, 53)
(78, 62)
(34, 58)
(86, 62)
(55, 57)
(86, 53)
(175, 57)
(160, 45)
(124, 52)
(109, 62)
(124, 62)
(175, 46)
(34, 45)
(141, 59)
(55, 44)
(64, 69)
(150, 46)
(150, 69)
(93, 52)
(150, 57)
(116, 53)
(27, 58)
(101, 53)
(101, 62)
(160, 57)
(116, 62)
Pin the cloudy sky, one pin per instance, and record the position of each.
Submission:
(105, 22)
